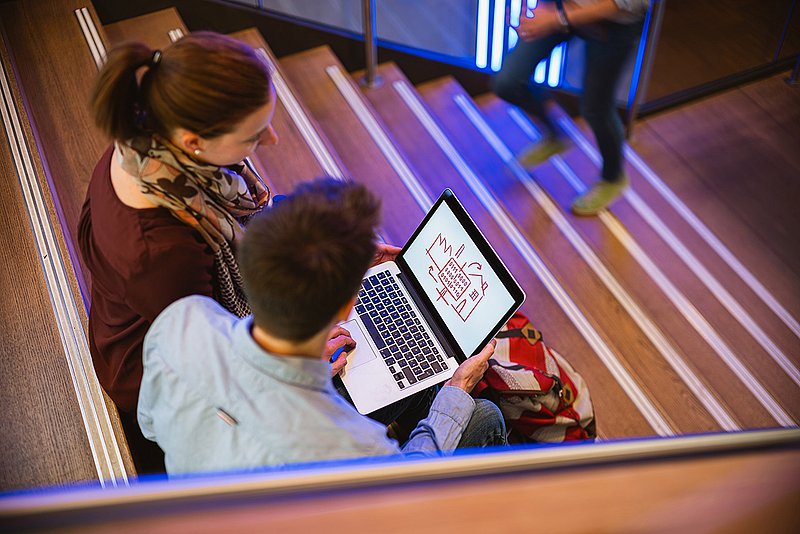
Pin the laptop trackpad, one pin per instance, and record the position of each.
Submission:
(363, 352)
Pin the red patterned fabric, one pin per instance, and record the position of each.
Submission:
(543, 399)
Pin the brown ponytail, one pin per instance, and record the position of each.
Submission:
(205, 82)
(115, 98)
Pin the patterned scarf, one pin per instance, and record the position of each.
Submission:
(215, 201)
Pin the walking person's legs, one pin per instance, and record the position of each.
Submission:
(513, 84)
(605, 60)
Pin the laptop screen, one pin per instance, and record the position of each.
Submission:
(461, 276)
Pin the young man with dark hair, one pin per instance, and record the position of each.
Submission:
(225, 393)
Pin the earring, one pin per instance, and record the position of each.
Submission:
(196, 151)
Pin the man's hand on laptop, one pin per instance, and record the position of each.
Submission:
(384, 253)
(339, 338)
(471, 371)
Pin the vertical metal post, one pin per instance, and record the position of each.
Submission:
(785, 31)
(792, 80)
(654, 31)
(369, 17)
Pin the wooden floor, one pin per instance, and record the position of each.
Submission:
(735, 159)
(743, 36)
(732, 160)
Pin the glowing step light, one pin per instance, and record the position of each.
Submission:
(491, 29)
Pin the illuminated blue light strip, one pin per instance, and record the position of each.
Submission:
(513, 38)
(541, 70)
(514, 11)
(498, 34)
(637, 68)
(556, 62)
(482, 44)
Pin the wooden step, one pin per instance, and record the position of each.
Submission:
(616, 414)
(41, 439)
(744, 343)
(367, 162)
(758, 185)
(303, 151)
(739, 233)
(58, 426)
(157, 29)
(757, 266)
(679, 303)
(58, 66)
(636, 352)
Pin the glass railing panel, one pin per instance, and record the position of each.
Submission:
(702, 41)
(445, 29)
(710, 40)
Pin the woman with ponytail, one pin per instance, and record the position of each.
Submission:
(167, 201)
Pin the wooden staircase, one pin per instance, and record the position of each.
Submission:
(669, 337)
(58, 426)
(358, 137)
(303, 152)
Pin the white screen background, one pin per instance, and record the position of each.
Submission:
(456, 277)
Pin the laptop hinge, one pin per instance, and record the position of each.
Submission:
(446, 345)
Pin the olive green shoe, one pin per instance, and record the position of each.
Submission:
(541, 151)
(599, 196)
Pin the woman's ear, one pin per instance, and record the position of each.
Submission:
(187, 141)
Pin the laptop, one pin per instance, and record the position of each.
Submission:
(418, 317)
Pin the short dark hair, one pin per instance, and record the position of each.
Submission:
(205, 82)
(304, 258)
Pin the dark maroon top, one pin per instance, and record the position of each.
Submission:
(140, 261)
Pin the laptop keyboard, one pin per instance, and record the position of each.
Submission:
(404, 344)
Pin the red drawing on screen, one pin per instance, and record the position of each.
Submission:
(459, 284)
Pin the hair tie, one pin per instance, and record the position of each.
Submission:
(155, 60)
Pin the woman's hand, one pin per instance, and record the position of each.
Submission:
(384, 253)
(471, 371)
(338, 338)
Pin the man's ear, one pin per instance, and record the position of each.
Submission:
(344, 311)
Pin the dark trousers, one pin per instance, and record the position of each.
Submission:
(407, 412)
(148, 458)
(607, 50)
(486, 427)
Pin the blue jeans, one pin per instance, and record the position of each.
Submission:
(607, 50)
(486, 427)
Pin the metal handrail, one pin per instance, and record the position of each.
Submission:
(74, 505)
